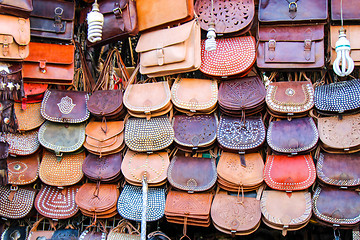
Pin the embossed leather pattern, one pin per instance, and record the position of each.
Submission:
(106, 103)
(29, 118)
(16, 204)
(19, 8)
(50, 200)
(23, 170)
(21, 144)
(298, 136)
(104, 169)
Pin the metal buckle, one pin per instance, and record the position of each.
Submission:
(117, 11)
(272, 45)
(293, 7)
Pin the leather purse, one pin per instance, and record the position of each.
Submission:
(195, 133)
(36, 234)
(62, 234)
(230, 17)
(153, 167)
(289, 173)
(23, 170)
(34, 93)
(305, 41)
(92, 235)
(349, 13)
(53, 19)
(124, 230)
(242, 96)
(104, 138)
(192, 174)
(286, 211)
(339, 170)
(19, 8)
(62, 138)
(104, 169)
(232, 176)
(163, 13)
(56, 203)
(19, 233)
(64, 172)
(16, 204)
(280, 11)
(143, 135)
(29, 118)
(338, 98)
(234, 56)
(298, 136)
(21, 144)
(12, 86)
(194, 96)
(170, 50)
(15, 38)
(49, 63)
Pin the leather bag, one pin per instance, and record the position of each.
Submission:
(23, 170)
(8, 121)
(36, 234)
(34, 93)
(192, 174)
(29, 118)
(163, 13)
(124, 230)
(19, 233)
(14, 38)
(92, 235)
(56, 203)
(298, 136)
(280, 11)
(21, 144)
(234, 56)
(286, 211)
(53, 19)
(339, 170)
(153, 166)
(194, 96)
(305, 41)
(49, 63)
(62, 234)
(170, 50)
(66, 172)
(289, 173)
(12, 86)
(349, 13)
(19, 8)
(104, 169)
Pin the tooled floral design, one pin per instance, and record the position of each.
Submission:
(235, 92)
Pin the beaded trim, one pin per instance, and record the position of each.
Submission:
(84, 233)
(22, 143)
(21, 204)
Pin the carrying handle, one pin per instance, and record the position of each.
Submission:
(89, 80)
(158, 233)
(37, 223)
(133, 76)
(123, 226)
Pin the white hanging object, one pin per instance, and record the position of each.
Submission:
(210, 42)
(95, 21)
(343, 64)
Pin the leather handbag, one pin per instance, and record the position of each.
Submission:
(36, 234)
(229, 17)
(104, 138)
(143, 135)
(232, 176)
(120, 20)
(21, 144)
(242, 96)
(286, 211)
(289, 173)
(349, 13)
(306, 42)
(163, 13)
(62, 138)
(124, 230)
(19, 8)
(338, 98)
(53, 19)
(192, 174)
(194, 96)
(130, 203)
(61, 173)
(23, 170)
(12, 86)
(135, 166)
(298, 136)
(62, 234)
(19, 233)
(56, 203)
(280, 11)
(195, 133)
(8, 121)
(104, 169)
(16, 204)
(29, 118)
(15, 38)
(339, 170)
(34, 93)
(339, 136)
(234, 56)
(170, 50)
(49, 63)
(336, 207)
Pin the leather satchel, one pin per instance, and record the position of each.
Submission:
(19, 8)
(49, 63)
(339, 170)
(163, 13)
(23, 170)
(53, 19)
(171, 50)
(298, 136)
(14, 38)
(349, 13)
(21, 144)
(280, 11)
(194, 96)
(234, 56)
(56, 203)
(289, 173)
(66, 172)
(192, 174)
(12, 86)
(34, 93)
(29, 118)
(305, 41)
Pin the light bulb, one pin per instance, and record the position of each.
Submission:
(210, 42)
(95, 21)
(343, 58)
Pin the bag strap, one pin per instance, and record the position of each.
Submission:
(133, 76)
(89, 80)
(37, 223)
(123, 226)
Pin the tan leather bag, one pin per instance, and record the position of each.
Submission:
(352, 34)
(29, 118)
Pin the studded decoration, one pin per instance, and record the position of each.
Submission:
(23, 170)
(30, 118)
(25, 143)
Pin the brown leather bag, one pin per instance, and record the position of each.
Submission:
(349, 12)
(23, 170)
(305, 41)
(21, 144)
(35, 234)
(104, 169)
(12, 85)
(19, 8)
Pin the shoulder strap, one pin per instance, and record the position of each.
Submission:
(89, 80)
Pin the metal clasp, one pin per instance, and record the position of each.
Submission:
(293, 7)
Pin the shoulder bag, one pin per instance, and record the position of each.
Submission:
(36, 234)
(29, 118)
(20, 144)
(12, 85)
(23, 170)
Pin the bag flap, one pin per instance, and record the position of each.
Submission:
(65, 9)
(102, 131)
(18, 28)
(20, 206)
(30, 118)
(44, 53)
(104, 168)
(25, 143)
(352, 34)
(111, 6)
(292, 33)
(102, 102)
(23, 170)
(20, 5)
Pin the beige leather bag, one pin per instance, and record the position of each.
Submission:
(170, 50)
